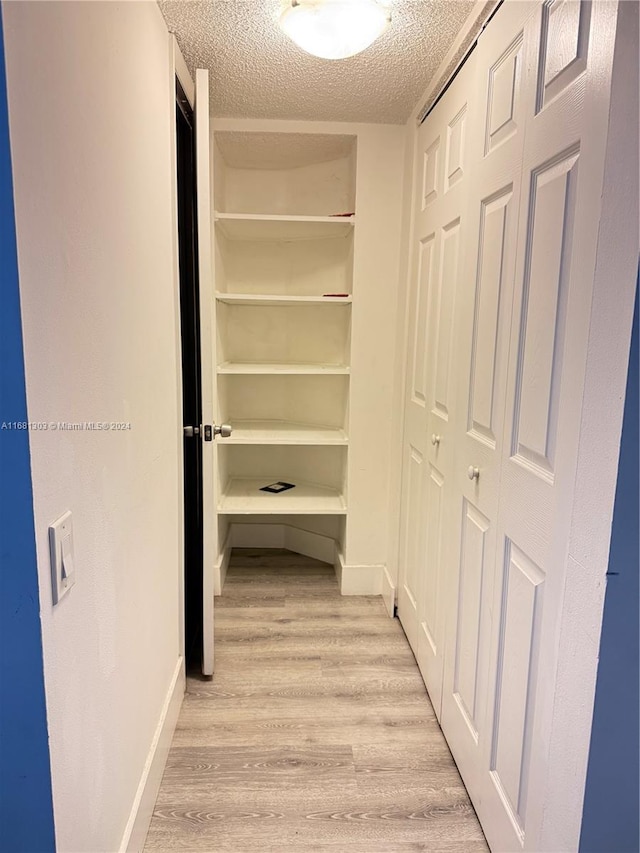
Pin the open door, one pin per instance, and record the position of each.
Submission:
(194, 230)
(191, 380)
(203, 204)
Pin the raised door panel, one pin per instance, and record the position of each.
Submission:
(412, 545)
(540, 345)
(434, 510)
(470, 616)
(430, 613)
(431, 174)
(420, 336)
(455, 165)
(503, 96)
(484, 414)
(443, 311)
(515, 684)
(563, 46)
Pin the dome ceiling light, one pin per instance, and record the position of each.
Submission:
(334, 29)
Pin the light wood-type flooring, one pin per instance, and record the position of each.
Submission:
(315, 733)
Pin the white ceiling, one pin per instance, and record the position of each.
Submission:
(257, 72)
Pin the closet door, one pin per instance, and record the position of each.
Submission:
(571, 53)
(441, 163)
(546, 93)
(483, 325)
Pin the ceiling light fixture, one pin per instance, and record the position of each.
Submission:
(334, 29)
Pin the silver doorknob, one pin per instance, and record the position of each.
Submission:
(224, 430)
(435, 439)
(473, 473)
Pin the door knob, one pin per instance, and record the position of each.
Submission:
(435, 440)
(473, 473)
(209, 432)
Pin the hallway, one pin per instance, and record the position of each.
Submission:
(315, 733)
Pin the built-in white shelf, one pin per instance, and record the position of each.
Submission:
(284, 432)
(271, 227)
(280, 301)
(243, 497)
(260, 368)
(283, 348)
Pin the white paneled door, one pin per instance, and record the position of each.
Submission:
(509, 174)
(441, 167)
(205, 276)
(483, 325)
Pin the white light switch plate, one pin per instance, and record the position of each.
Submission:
(63, 574)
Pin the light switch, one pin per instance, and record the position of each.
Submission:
(63, 574)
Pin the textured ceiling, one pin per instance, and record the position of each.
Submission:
(257, 72)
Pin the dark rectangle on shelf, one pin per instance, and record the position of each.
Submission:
(276, 488)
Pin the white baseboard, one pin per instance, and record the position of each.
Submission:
(220, 571)
(137, 827)
(359, 580)
(338, 564)
(388, 592)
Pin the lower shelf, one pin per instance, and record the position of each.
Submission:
(243, 497)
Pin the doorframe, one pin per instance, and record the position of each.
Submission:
(178, 71)
(137, 826)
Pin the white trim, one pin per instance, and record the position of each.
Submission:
(206, 287)
(405, 272)
(135, 833)
(470, 31)
(276, 125)
(222, 564)
(182, 72)
(177, 344)
(361, 580)
(388, 592)
(338, 565)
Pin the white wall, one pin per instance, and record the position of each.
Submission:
(91, 117)
(373, 342)
(399, 368)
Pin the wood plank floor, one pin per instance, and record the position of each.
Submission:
(315, 733)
